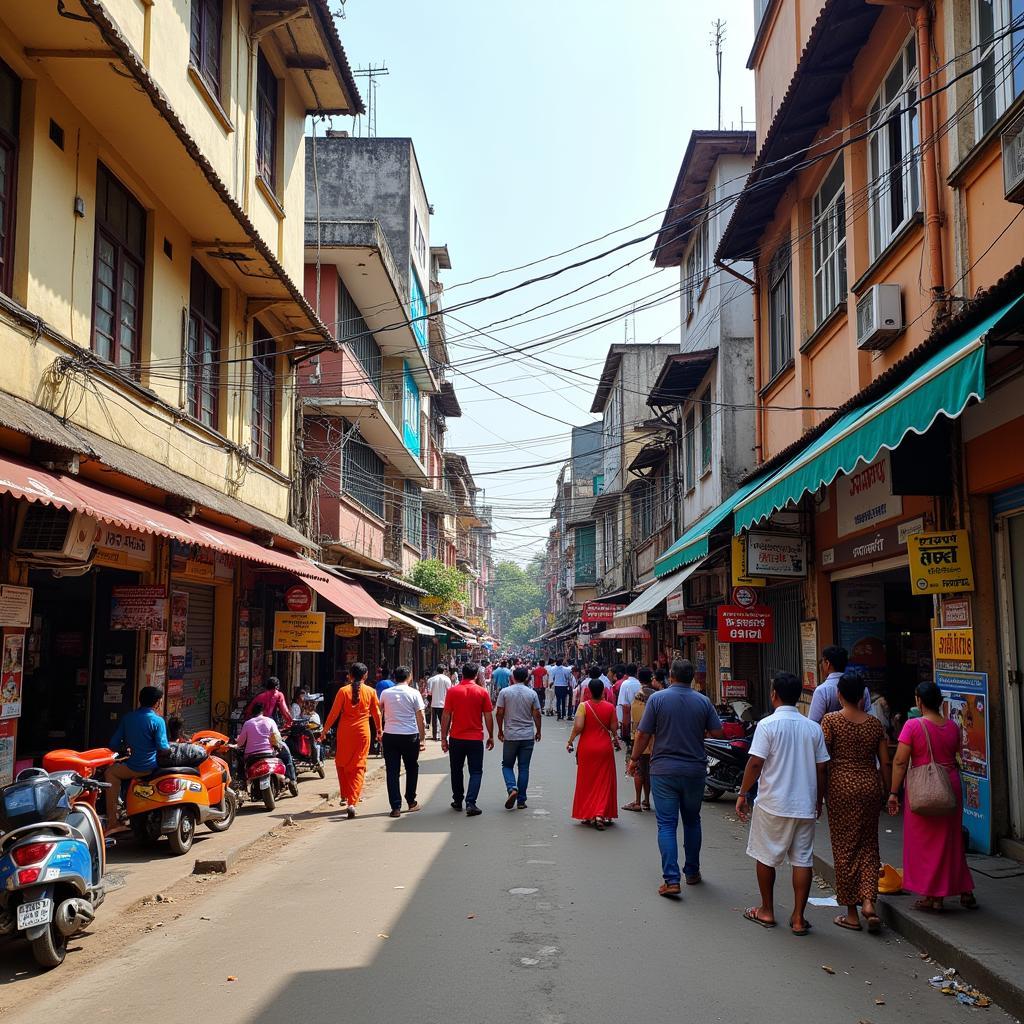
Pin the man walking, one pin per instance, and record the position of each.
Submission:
(404, 731)
(561, 680)
(462, 736)
(540, 674)
(787, 758)
(677, 719)
(501, 677)
(649, 685)
(518, 714)
(628, 690)
(438, 686)
(826, 695)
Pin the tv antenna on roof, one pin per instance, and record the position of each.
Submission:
(371, 74)
(718, 41)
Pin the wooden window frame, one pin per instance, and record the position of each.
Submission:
(206, 26)
(828, 243)
(202, 355)
(263, 421)
(780, 311)
(10, 144)
(706, 438)
(268, 100)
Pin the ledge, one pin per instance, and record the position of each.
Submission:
(823, 328)
(912, 225)
(268, 193)
(778, 377)
(978, 150)
(211, 100)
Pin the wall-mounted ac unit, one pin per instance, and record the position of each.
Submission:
(879, 316)
(54, 534)
(1012, 140)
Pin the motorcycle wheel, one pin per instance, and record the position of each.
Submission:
(50, 948)
(320, 770)
(711, 794)
(180, 840)
(145, 829)
(231, 805)
(269, 800)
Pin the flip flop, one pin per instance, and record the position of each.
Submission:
(926, 906)
(800, 932)
(841, 922)
(750, 914)
(874, 923)
(969, 902)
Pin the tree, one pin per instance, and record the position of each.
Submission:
(522, 629)
(442, 581)
(515, 592)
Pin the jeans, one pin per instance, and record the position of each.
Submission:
(459, 752)
(675, 796)
(401, 749)
(435, 721)
(540, 696)
(561, 700)
(511, 752)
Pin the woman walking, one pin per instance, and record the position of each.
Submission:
(354, 707)
(858, 776)
(934, 860)
(595, 799)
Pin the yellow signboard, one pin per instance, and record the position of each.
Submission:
(739, 566)
(346, 630)
(434, 605)
(940, 563)
(299, 631)
(953, 649)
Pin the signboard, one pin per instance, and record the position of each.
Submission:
(11, 673)
(15, 606)
(734, 689)
(953, 650)
(745, 625)
(809, 653)
(864, 497)
(123, 548)
(955, 612)
(739, 566)
(434, 605)
(690, 623)
(299, 631)
(346, 629)
(8, 733)
(600, 611)
(940, 563)
(138, 608)
(885, 542)
(298, 598)
(675, 604)
(745, 597)
(966, 704)
(776, 554)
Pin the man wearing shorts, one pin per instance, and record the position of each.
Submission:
(787, 759)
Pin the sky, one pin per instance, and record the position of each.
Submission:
(540, 127)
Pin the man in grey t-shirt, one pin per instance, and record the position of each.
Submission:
(518, 714)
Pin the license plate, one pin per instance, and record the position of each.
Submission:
(265, 782)
(713, 762)
(35, 913)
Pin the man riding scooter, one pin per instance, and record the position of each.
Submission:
(260, 736)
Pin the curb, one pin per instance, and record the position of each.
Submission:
(919, 929)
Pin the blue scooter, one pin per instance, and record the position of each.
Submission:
(52, 859)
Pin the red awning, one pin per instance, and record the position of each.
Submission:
(623, 633)
(351, 599)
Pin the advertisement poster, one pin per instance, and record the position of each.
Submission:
(8, 735)
(861, 619)
(138, 608)
(953, 650)
(940, 563)
(776, 554)
(966, 704)
(11, 674)
(15, 606)
(864, 497)
(809, 654)
(179, 619)
(299, 631)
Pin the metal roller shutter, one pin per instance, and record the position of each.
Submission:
(783, 653)
(198, 677)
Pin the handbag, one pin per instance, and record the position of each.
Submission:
(929, 792)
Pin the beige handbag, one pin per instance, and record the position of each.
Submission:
(929, 792)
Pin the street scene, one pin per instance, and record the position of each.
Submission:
(511, 513)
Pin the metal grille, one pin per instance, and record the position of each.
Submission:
(353, 331)
(783, 653)
(363, 474)
(44, 528)
(412, 514)
(198, 677)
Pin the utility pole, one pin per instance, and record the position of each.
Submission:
(718, 40)
(371, 74)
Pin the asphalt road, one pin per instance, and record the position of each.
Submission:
(507, 918)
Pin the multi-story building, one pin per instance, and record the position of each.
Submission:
(152, 324)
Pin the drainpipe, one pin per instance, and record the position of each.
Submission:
(756, 297)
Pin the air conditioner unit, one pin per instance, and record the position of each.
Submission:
(879, 316)
(1012, 140)
(54, 534)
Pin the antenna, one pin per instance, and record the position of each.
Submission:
(718, 40)
(371, 74)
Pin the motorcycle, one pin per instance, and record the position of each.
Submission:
(727, 761)
(217, 744)
(302, 742)
(52, 859)
(266, 778)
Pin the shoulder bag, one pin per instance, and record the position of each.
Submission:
(929, 792)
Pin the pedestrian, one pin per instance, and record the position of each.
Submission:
(672, 729)
(518, 714)
(438, 686)
(467, 708)
(539, 673)
(580, 692)
(825, 698)
(355, 707)
(934, 860)
(502, 676)
(859, 774)
(628, 689)
(561, 682)
(595, 799)
(649, 685)
(404, 732)
(483, 673)
(787, 760)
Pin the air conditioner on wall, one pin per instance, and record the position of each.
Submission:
(879, 316)
(54, 534)
(1012, 140)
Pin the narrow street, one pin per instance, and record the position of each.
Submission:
(515, 916)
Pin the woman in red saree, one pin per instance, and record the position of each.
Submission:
(595, 800)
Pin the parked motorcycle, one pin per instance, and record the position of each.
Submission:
(52, 859)
(218, 744)
(302, 742)
(727, 761)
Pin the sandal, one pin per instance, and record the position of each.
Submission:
(670, 890)
(806, 930)
(751, 914)
(599, 824)
(632, 807)
(646, 805)
(874, 923)
(842, 922)
(928, 906)
(968, 901)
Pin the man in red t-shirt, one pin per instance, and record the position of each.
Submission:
(539, 673)
(467, 709)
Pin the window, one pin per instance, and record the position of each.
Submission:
(611, 433)
(412, 514)
(894, 185)
(643, 511)
(263, 353)
(610, 536)
(353, 331)
(204, 41)
(780, 322)
(690, 284)
(665, 496)
(418, 309)
(410, 411)
(585, 562)
(362, 473)
(598, 484)
(999, 79)
(691, 457)
(705, 431)
(829, 240)
(117, 272)
(202, 359)
(419, 242)
(266, 123)
(10, 114)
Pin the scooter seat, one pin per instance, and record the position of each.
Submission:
(161, 772)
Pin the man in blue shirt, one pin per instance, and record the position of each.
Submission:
(144, 733)
(677, 719)
(501, 677)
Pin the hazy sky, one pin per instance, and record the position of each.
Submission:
(539, 127)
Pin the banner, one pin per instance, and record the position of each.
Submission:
(776, 554)
(138, 608)
(600, 611)
(940, 563)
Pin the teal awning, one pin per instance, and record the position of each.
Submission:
(942, 386)
(694, 543)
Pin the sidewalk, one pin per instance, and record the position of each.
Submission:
(983, 945)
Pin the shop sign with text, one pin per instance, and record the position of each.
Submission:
(776, 554)
(955, 612)
(600, 611)
(745, 625)
(123, 548)
(940, 563)
(953, 649)
(299, 631)
(138, 608)
(675, 604)
(864, 498)
(739, 566)
(690, 623)
(15, 606)
(884, 542)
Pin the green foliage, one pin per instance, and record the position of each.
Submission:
(516, 591)
(523, 628)
(439, 580)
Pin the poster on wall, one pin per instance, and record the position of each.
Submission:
(138, 608)
(809, 654)
(966, 703)
(940, 563)
(15, 606)
(864, 497)
(860, 614)
(8, 737)
(179, 619)
(11, 672)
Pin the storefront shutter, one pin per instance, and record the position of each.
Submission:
(783, 653)
(198, 677)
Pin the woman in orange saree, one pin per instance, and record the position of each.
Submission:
(354, 706)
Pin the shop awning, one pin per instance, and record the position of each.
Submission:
(623, 633)
(351, 599)
(635, 614)
(421, 628)
(941, 386)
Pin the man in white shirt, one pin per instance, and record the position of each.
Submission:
(627, 692)
(560, 677)
(404, 731)
(826, 694)
(788, 756)
(438, 686)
